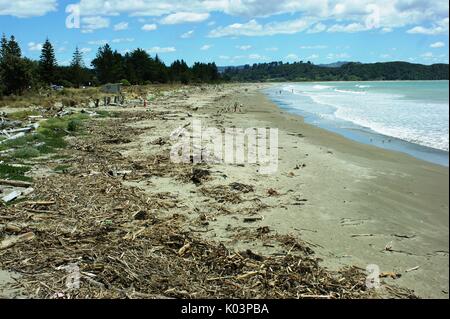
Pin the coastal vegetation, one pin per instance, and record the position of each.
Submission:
(19, 75)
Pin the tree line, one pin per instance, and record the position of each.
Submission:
(18, 73)
(352, 71)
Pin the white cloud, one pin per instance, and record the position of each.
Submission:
(253, 28)
(313, 47)
(185, 17)
(27, 8)
(440, 28)
(121, 26)
(292, 57)
(32, 46)
(149, 27)
(235, 58)
(273, 49)
(334, 56)
(188, 34)
(318, 27)
(379, 14)
(256, 57)
(206, 47)
(85, 50)
(161, 50)
(312, 57)
(244, 47)
(122, 40)
(89, 24)
(437, 45)
(349, 28)
(427, 55)
(98, 42)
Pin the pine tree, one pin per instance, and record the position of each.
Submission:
(16, 72)
(14, 48)
(3, 48)
(47, 63)
(109, 65)
(77, 68)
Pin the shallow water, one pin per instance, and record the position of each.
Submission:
(406, 116)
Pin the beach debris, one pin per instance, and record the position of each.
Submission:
(242, 187)
(263, 230)
(389, 246)
(12, 228)
(83, 218)
(412, 269)
(11, 241)
(11, 196)
(199, 175)
(253, 219)
(362, 235)
(183, 250)
(390, 274)
(272, 192)
(15, 183)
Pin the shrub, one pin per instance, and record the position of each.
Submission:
(125, 82)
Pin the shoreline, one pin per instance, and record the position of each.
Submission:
(361, 134)
(365, 199)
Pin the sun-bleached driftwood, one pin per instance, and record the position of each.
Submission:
(15, 183)
(11, 241)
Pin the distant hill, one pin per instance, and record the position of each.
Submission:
(347, 71)
(335, 64)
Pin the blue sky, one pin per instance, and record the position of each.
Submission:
(236, 32)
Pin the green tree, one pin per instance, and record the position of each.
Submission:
(77, 68)
(16, 72)
(47, 63)
(108, 65)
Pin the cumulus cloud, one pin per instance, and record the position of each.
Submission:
(318, 27)
(335, 56)
(27, 8)
(350, 28)
(292, 57)
(98, 42)
(244, 47)
(122, 40)
(253, 28)
(89, 24)
(161, 50)
(33, 46)
(149, 27)
(206, 47)
(121, 26)
(439, 28)
(85, 50)
(313, 47)
(187, 35)
(185, 17)
(437, 45)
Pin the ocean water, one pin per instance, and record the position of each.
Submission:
(406, 116)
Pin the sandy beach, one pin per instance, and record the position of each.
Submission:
(365, 205)
(353, 204)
